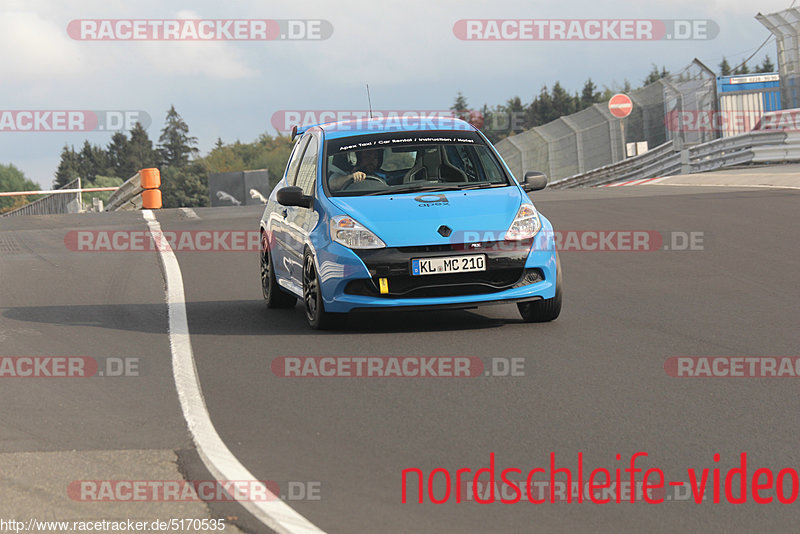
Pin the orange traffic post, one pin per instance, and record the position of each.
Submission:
(151, 199)
(151, 181)
(151, 178)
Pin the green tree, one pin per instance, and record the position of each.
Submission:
(541, 110)
(223, 159)
(92, 161)
(460, 103)
(139, 153)
(742, 69)
(185, 186)
(267, 152)
(589, 94)
(655, 75)
(766, 66)
(563, 102)
(67, 168)
(724, 68)
(175, 146)
(460, 108)
(13, 179)
(117, 152)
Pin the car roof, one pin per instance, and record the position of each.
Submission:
(412, 123)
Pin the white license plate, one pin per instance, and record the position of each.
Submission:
(448, 264)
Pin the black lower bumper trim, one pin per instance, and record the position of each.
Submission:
(436, 307)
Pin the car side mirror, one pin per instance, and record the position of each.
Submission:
(534, 181)
(293, 196)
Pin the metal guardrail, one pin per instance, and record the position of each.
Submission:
(668, 159)
(51, 204)
(128, 197)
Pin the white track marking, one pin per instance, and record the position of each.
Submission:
(189, 213)
(219, 460)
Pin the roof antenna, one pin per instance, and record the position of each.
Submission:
(370, 102)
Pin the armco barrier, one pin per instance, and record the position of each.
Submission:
(668, 159)
(141, 189)
(51, 204)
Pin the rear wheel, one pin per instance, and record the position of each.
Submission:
(542, 311)
(317, 317)
(274, 296)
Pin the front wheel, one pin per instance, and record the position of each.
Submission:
(542, 311)
(317, 317)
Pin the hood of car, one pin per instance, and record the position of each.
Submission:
(441, 217)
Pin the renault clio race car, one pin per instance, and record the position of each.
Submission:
(424, 214)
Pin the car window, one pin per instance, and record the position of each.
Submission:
(404, 161)
(294, 160)
(308, 168)
(394, 160)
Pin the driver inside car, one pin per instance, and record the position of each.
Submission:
(368, 163)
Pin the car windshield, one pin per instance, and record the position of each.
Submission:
(389, 163)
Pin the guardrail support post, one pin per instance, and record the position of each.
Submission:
(686, 162)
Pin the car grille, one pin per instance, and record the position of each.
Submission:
(505, 268)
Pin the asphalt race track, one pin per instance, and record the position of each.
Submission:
(594, 380)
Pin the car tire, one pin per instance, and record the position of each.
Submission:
(274, 295)
(317, 317)
(542, 311)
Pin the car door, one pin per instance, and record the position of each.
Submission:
(280, 242)
(300, 221)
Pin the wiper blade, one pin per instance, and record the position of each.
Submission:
(413, 189)
(481, 186)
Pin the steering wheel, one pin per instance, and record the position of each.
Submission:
(352, 181)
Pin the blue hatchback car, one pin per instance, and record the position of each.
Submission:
(420, 214)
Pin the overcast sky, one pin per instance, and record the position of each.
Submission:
(406, 50)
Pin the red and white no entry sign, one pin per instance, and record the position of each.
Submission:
(620, 105)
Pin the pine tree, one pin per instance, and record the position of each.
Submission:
(460, 103)
(766, 66)
(117, 152)
(724, 68)
(175, 146)
(139, 155)
(67, 168)
(742, 69)
(542, 110)
(589, 94)
(563, 103)
(654, 75)
(92, 161)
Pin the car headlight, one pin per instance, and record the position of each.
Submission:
(352, 234)
(526, 224)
